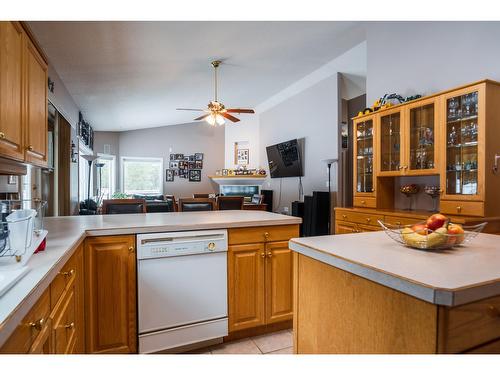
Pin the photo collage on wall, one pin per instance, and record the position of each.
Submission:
(185, 166)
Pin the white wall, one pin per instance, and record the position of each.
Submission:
(425, 57)
(62, 100)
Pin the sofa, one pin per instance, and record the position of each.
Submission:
(156, 203)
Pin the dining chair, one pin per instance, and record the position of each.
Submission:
(200, 195)
(196, 204)
(123, 206)
(230, 203)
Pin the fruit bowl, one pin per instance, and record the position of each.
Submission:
(428, 239)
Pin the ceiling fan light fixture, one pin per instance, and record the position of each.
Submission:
(211, 119)
(215, 119)
(219, 119)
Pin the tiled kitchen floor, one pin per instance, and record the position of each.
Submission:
(272, 343)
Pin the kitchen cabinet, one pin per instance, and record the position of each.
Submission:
(364, 163)
(260, 276)
(23, 96)
(11, 90)
(390, 143)
(36, 106)
(111, 294)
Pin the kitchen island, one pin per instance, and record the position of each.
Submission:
(365, 293)
(40, 305)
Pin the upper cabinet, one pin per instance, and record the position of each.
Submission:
(363, 153)
(11, 90)
(23, 96)
(390, 143)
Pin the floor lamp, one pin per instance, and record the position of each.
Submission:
(90, 159)
(329, 163)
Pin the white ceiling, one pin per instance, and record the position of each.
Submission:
(132, 75)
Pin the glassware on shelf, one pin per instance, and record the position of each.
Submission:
(433, 191)
(410, 190)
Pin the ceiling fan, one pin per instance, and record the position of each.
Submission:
(216, 112)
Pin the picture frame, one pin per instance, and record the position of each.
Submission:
(176, 172)
(183, 173)
(179, 156)
(182, 164)
(169, 175)
(194, 175)
(198, 164)
(192, 165)
(198, 156)
(242, 156)
(191, 158)
(225, 172)
(174, 165)
(172, 157)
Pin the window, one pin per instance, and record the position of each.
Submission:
(84, 178)
(106, 175)
(142, 175)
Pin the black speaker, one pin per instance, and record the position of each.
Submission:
(298, 211)
(321, 211)
(268, 199)
(308, 213)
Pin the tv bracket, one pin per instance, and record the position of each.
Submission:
(495, 165)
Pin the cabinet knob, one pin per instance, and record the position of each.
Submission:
(459, 208)
(493, 311)
(71, 272)
(368, 219)
(131, 249)
(38, 325)
(262, 255)
(398, 223)
(2, 135)
(400, 167)
(269, 254)
(70, 326)
(266, 235)
(30, 148)
(344, 216)
(363, 202)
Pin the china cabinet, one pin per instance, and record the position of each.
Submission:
(452, 135)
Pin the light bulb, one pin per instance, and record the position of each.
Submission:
(211, 119)
(219, 119)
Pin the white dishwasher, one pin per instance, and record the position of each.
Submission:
(182, 288)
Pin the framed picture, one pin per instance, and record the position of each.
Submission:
(242, 156)
(169, 175)
(183, 173)
(182, 164)
(198, 164)
(172, 156)
(179, 156)
(176, 172)
(191, 157)
(225, 172)
(192, 165)
(186, 158)
(174, 164)
(198, 156)
(194, 175)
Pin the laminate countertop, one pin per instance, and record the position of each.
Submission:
(453, 277)
(66, 233)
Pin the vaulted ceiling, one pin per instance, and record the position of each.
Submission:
(132, 75)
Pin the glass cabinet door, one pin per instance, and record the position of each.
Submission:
(364, 156)
(390, 142)
(422, 150)
(462, 144)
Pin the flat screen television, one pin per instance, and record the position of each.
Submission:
(285, 159)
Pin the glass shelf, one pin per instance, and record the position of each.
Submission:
(364, 156)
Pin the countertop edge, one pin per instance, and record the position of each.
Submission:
(9, 324)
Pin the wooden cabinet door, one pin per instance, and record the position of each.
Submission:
(36, 106)
(110, 294)
(11, 79)
(43, 342)
(246, 286)
(389, 145)
(279, 282)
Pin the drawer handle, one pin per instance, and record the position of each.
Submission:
(266, 235)
(368, 219)
(38, 325)
(70, 326)
(363, 202)
(2, 135)
(398, 223)
(69, 273)
(344, 216)
(493, 311)
(131, 249)
(269, 254)
(30, 148)
(459, 208)
(262, 255)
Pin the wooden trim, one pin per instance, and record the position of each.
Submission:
(108, 202)
(31, 36)
(196, 200)
(257, 331)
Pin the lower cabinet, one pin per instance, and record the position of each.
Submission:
(260, 278)
(110, 291)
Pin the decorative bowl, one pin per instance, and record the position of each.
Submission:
(433, 240)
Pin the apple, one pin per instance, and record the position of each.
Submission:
(420, 229)
(436, 221)
(457, 234)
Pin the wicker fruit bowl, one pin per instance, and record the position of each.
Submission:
(420, 236)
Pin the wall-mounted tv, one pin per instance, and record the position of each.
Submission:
(285, 159)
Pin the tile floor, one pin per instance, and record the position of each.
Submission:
(272, 343)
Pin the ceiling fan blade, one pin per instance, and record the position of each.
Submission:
(201, 117)
(189, 109)
(240, 110)
(229, 117)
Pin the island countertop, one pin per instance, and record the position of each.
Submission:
(66, 233)
(447, 277)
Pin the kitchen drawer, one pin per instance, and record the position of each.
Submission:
(470, 325)
(358, 217)
(400, 220)
(63, 280)
(345, 227)
(369, 228)
(369, 202)
(64, 323)
(262, 234)
(30, 327)
(462, 208)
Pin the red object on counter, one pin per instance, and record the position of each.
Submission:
(42, 245)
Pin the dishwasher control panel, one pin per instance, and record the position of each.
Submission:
(169, 244)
